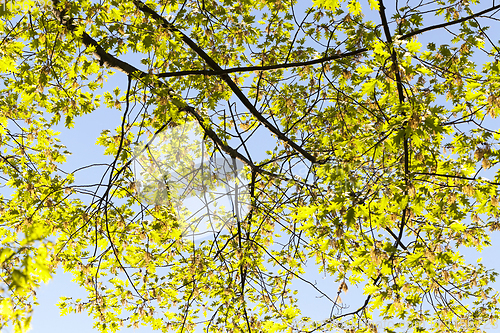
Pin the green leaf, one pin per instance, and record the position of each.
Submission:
(19, 279)
(413, 259)
(413, 46)
(374, 4)
(457, 227)
(5, 254)
(350, 217)
(7, 64)
(369, 87)
(303, 213)
(272, 327)
(354, 7)
(370, 289)
(363, 70)
(328, 4)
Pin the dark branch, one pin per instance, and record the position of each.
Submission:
(399, 85)
(111, 61)
(319, 60)
(234, 87)
(264, 68)
(447, 24)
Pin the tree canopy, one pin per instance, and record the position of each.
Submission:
(353, 140)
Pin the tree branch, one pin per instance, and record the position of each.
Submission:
(447, 24)
(319, 60)
(263, 68)
(236, 90)
(399, 85)
(111, 61)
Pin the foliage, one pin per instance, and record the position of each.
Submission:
(364, 149)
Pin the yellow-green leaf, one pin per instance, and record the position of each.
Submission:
(305, 212)
(457, 227)
(413, 46)
(370, 289)
(354, 7)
